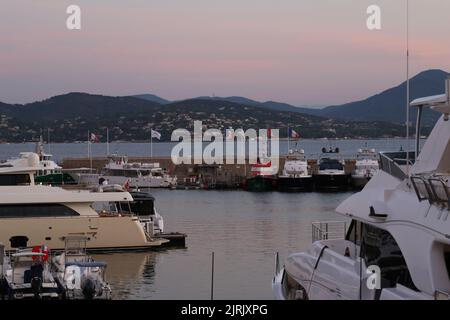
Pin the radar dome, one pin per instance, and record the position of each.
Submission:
(33, 159)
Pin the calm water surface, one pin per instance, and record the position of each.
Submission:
(244, 229)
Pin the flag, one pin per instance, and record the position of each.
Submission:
(156, 134)
(126, 185)
(94, 138)
(294, 134)
(230, 134)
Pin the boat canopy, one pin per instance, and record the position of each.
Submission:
(89, 264)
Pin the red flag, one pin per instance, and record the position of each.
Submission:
(94, 137)
(127, 185)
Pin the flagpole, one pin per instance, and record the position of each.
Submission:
(90, 150)
(48, 140)
(407, 87)
(107, 142)
(289, 140)
(151, 143)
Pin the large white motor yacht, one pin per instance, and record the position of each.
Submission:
(330, 174)
(398, 242)
(138, 175)
(366, 167)
(47, 214)
(296, 175)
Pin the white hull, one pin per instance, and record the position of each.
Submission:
(137, 182)
(115, 233)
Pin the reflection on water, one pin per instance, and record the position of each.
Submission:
(244, 229)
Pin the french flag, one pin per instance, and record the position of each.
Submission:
(94, 138)
(294, 134)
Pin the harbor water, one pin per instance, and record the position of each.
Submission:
(243, 229)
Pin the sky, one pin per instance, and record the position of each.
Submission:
(303, 52)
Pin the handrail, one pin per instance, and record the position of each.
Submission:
(328, 230)
(391, 163)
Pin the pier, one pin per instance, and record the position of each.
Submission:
(212, 176)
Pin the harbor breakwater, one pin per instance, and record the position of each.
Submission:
(215, 175)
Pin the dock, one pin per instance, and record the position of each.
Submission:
(213, 176)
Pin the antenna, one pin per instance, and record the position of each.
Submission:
(407, 87)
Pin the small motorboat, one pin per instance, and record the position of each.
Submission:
(26, 272)
(77, 274)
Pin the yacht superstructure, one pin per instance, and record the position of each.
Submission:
(398, 243)
(331, 173)
(138, 175)
(296, 175)
(366, 167)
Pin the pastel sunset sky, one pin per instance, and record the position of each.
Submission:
(303, 52)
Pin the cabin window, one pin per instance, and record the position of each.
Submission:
(331, 166)
(14, 179)
(447, 259)
(36, 210)
(354, 232)
(378, 247)
(142, 208)
(104, 207)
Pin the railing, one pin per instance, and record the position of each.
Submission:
(391, 162)
(329, 230)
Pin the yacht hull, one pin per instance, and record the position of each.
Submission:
(290, 184)
(261, 184)
(331, 182)
(104, 233)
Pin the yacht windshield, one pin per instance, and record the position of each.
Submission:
(331, 165)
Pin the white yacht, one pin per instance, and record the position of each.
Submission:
(330, 174)
(366, 167)
(48, 214)
(48, 171)
(296, 175)
(137, 175)
(398, 242)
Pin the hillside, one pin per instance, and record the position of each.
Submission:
(69, 117)
(390, 104)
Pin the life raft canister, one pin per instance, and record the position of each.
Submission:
(41, 249)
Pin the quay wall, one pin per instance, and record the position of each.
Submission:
(227, 175)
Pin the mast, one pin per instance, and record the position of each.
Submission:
(107, 142)
(89, 150)
(151, 143)
(289, 140)
(48, 141)
(407, 88)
